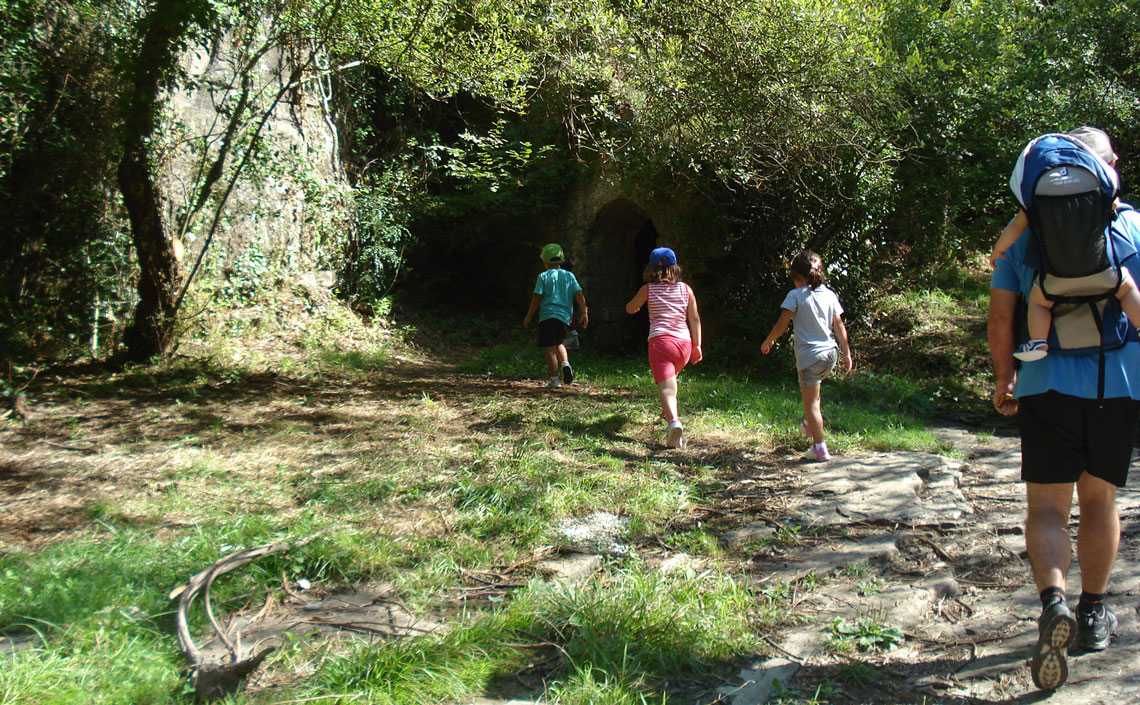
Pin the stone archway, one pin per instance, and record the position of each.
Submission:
(616, 249)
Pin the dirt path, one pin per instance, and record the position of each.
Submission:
(957, 589)
(928, 545)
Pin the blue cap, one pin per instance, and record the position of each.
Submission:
(662, 256)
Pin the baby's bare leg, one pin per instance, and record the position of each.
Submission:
(1129, 297)
(1040, 314)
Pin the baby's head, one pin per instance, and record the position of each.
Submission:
(662, 267)
(1096, 140)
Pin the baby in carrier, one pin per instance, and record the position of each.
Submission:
(1068, 197)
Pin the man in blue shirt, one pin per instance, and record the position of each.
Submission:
(1071, 437)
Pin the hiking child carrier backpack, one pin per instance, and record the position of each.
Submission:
(1067, 192)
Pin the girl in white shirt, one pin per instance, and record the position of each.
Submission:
(674, 332)
(820, 339)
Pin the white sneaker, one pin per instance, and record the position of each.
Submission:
(1032, 350)
(675, 435)
(554, 383)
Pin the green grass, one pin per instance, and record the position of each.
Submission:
(420, 488)
(866, 411)
(614, 640)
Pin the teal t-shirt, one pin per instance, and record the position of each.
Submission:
(557, 288)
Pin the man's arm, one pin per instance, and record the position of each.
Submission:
(999, 335)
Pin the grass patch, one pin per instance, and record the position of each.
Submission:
(619, 639)
(443, 485)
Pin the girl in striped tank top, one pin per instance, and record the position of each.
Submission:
(674, 332)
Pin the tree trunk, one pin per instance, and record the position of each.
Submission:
(164, 30)
(150, 332)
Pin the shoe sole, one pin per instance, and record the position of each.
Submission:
(567, 374)
(676, 437)
(1030, 355)
(1049, 668)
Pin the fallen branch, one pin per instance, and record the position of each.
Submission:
(215, 680)
(938, 550)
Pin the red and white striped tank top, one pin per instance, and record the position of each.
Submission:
(668, 310)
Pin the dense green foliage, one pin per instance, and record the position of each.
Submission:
(878, 133)
(65, 250)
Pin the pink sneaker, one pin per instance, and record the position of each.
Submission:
(818, 452)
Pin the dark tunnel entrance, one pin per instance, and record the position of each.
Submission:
(643, 244)
(617, 249)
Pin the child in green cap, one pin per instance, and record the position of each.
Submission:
(555, 293)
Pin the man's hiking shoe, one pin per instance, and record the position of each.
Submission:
(1094, 628)
(675, 435)
(804, 428)
(818, 452)
(554, 383)
(567, 374)
(1056, 629)
(1032, 350)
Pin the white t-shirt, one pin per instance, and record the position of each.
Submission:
(814, 310)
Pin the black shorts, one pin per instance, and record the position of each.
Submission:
(1063, 436)
(551, 332)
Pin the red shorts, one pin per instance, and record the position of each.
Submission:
(668, 355)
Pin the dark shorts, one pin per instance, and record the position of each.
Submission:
(551, 332)
(1063, 436)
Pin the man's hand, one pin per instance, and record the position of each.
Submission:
(1004, 401)
(999, 335)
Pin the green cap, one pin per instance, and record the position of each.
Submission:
(552, 253)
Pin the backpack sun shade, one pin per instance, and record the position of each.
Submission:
(1067, 192)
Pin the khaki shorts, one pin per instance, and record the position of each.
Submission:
(818, 371)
